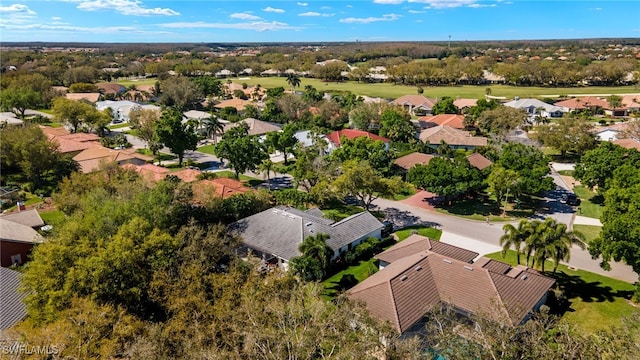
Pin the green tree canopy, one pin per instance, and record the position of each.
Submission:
(364, 148)
(531, 165)
(595, 168)
(501, 181)
(180, 92)
(316, 256)
(447, 177)
(175, 134)
(243, 152)
(568, 134)
(360, 180)
(19, 99)
(396, 125)
(501, 120)
(283, 141)
(445, 106)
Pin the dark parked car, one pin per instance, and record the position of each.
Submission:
(572, 199)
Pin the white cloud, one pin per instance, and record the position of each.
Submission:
(124, 7)
(302, 4)
(349, 6)
(56, 18)
(16, 9)
(444, 4)
(417, 11)
(244, 16)
(385, 17)
(476, 6)
(270, 9)
(325, 8)
(313, 13)
(255, 26)
(64, 27)
(387, 2)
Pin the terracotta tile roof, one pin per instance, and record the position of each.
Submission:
(53, 132)
(149, 172)
(335, 137)
(405, 290)
(417, 243)
(415, 100)
(219, 187)
(408, 161)
(91, 97)
(631, 101)
(478, 161)
(89, 159)
(69, 143)
(187, 175)
(239, 104)
(584, 102)
(110, 88)
(628, 143)
(464, 103)
(452, 120)
(451, 136)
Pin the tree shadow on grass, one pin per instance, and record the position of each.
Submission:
(574, 287)
(480, 206)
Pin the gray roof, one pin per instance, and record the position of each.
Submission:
(29, 218)
(527, 103)
(12, 308)
(280, 230)
(12, 231)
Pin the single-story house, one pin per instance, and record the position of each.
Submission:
(478, 161)
(415, 104)
(16, 242)
(631, 102)
(239, 104)
(219, 187)
(628, 143)
(90, 97)
(335, 138)
(464, 104)
(412, 283)
(276, 233)
(30, 218)
(531, 106)
(306, 138)
(582, 103)
(611, 132)
(452, 120)
(149, 172)
(457, 139)
(122, 108)
(256, 127)
(90, 159)
(71, 144)
(9, 118)
(408, 161)
(110, 88)
(12, 307)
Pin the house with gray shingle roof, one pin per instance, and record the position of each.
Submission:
(276, 233)
(16, 242)
(12, 307)
(531, 106)
(412, 283)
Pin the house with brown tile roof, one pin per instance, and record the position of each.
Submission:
(631, 102)
(582, 103)
(90, 97)
(408, 161)
(408, 287)
(415, 104)
(417, 243)
(219, 187)
(187, 175)
(16, 242)
(256, 127)
(457, 139)
(453, 120)
(90, 159)
(110, 88)
(478, 161)
(149, 172)
(239, 104)
(628, 143)
(464, 104)
(73, 144)
(335, 138)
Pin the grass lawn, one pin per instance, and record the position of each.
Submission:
(596, 302)
(52, 217)
(207, 149)
(251, 181)
(590, 202)
(391, 91)
(118, 126)
(590, 232)
(480, 207)
(361, 271)
(163, 156)
(31, 199)
(429, 232)
(341, 211)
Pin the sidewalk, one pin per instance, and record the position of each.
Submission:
(583, 220)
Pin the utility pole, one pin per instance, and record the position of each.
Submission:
(449, 44)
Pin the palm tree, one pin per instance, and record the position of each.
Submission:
(213, 126)
(514, 237)
(315, 258)
(293, 80)
(533, 240)
(266, 166)
(556, 243)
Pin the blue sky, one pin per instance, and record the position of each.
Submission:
(282, 21)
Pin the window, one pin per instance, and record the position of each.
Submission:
(16, 259)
